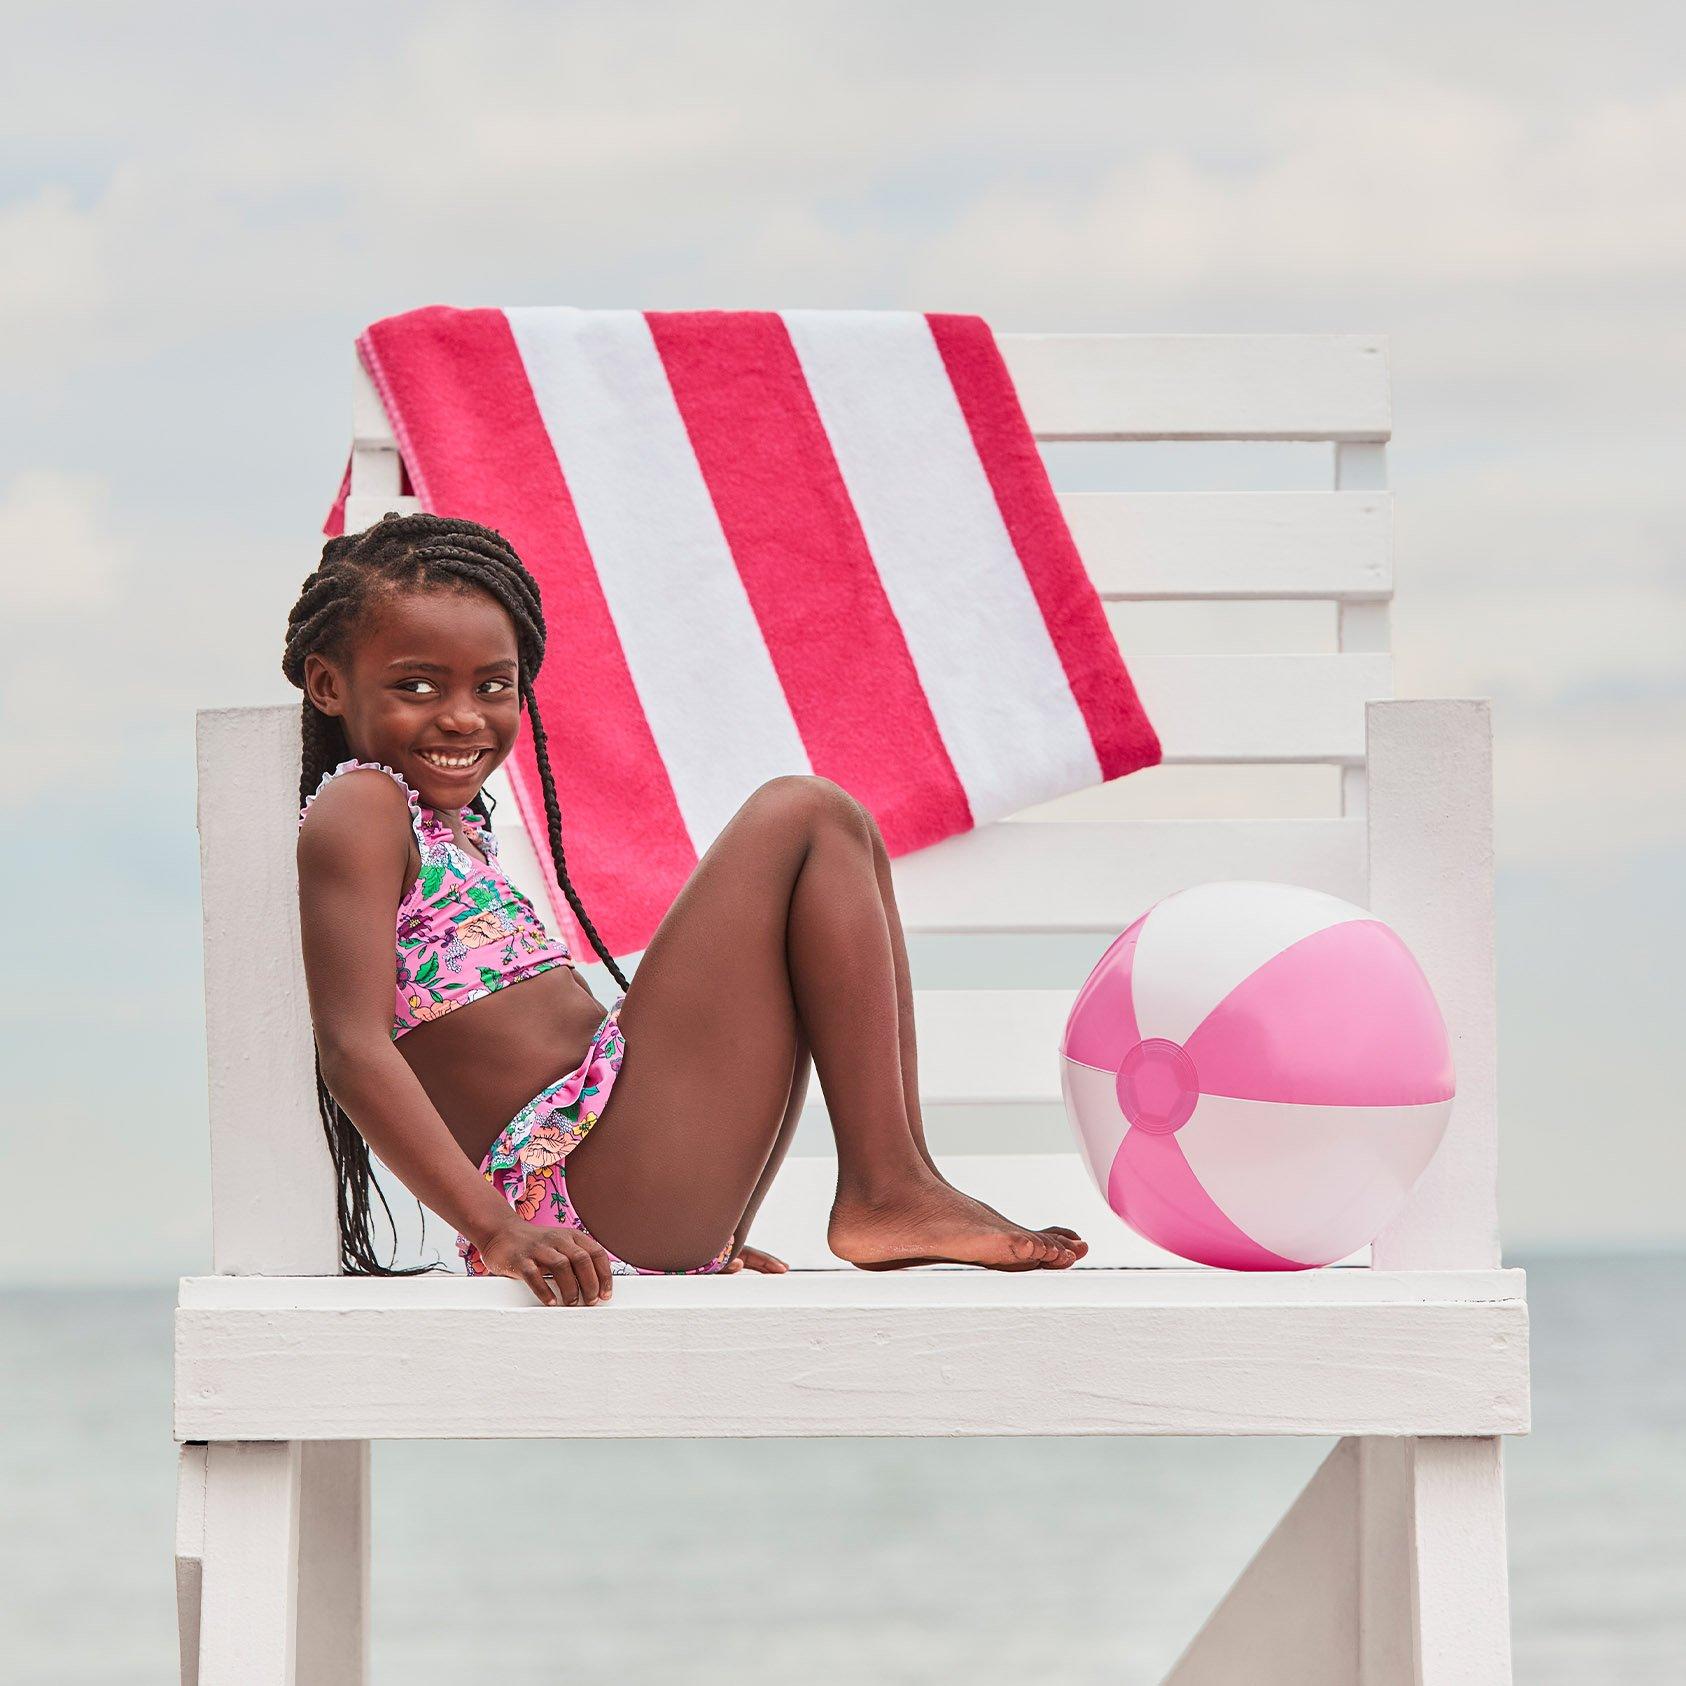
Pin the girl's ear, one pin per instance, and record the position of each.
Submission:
(324, 685)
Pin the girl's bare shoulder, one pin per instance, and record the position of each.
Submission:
(359, 821)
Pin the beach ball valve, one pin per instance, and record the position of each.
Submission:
(1257, 1074)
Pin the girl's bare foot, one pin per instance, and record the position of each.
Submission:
(1056, 1233)
(931, 1222)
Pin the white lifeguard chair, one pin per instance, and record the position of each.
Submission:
(1389, 1568)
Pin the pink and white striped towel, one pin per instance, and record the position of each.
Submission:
(769, 542)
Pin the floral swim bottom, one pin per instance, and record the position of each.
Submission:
(525, 1163)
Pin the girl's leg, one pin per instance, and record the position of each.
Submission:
(786, 906)
(781, 1142)
(905, 1023)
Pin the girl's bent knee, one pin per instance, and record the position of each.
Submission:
(812, 799)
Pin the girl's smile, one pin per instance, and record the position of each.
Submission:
(430, 688)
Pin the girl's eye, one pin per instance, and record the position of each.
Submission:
(404, 684)
(499, 685)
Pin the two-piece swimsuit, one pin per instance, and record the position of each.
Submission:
(464, 931)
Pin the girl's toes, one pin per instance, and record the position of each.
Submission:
(1027, 1249)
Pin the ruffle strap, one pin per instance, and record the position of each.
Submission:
(373, 767)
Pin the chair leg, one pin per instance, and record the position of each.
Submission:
(249, 1574)
(1434, 1584)
(1388, 1570)
(333, 1598)
(190, 1554)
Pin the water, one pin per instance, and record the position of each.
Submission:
(706, 1562)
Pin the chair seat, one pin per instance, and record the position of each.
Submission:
(933, 1351)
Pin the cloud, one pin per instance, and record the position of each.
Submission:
(58, 554)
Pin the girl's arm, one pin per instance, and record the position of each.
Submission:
(353, 859)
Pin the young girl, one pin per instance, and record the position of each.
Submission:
(416, 644)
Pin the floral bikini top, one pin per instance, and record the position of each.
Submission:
(463, 929)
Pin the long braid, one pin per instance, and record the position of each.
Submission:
(416, 551)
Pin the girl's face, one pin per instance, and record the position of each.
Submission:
(428, 685)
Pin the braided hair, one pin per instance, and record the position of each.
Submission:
(409, 552)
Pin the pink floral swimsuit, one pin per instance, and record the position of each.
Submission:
(464, 931)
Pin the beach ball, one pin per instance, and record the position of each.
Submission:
(1256, 1075)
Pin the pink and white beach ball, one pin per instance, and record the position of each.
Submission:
(1257, 1074)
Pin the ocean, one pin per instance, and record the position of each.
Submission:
(830, 1562)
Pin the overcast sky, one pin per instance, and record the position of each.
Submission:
(201, 205)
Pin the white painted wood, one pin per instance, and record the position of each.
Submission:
(1201, 386)
(333, 1598)
(1431, 879)
(1040, 1188)
(986, 1046)
(1386, 1645)
(1291, 1618)
(1460, 1585)
(190, 1554)
(1164, 386)
(364, 511)
(818, 1353)
(1171, 545)
(369, 423)
(1210, 709)
(1359, 469)
(250, 1585)
(272, 1183)
(1233, 544)
(376, 472)
(1100, 876)
(949, 1285)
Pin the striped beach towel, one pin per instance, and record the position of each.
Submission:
(769, 542)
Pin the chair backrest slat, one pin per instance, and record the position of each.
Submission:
(272, 1184)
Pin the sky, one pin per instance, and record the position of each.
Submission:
(201, 205)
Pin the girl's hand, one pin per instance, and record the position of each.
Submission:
(561, 1266)
(752, 1258)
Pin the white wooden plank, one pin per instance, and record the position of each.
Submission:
(986, 1046)
(1049, 1353)
(1210, 709)
(333, 1595)
(1245, 545)
(361, 512)
(1386, 1645)
(1201, 386)
(1360, 468)
(375, 472)
(250, 1565)
(369, 422)
(1460, 1586)
(863, 1290)
(1431, 878)
(1101, 875)
(1291, 1618)
(1164, 386)
(190, 1554)
(272, 1182)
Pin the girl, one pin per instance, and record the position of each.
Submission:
(416, 644)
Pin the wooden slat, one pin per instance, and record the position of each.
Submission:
(361, 511)
(1201, 386)
(987, 1046)
(1248, 545)
(1210, 709)
(1193, 545)
(272, 1182)
(1161, 386)
(814, 1353)
(1100, 875)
